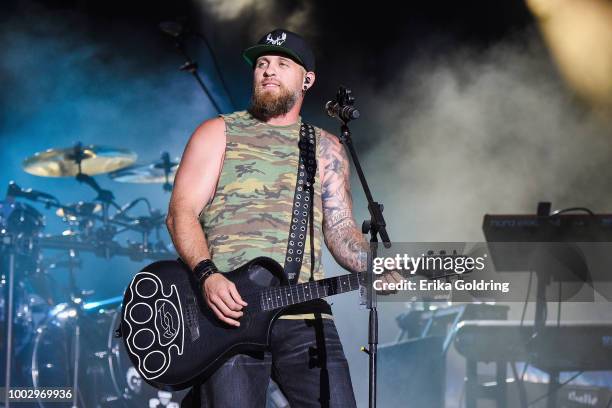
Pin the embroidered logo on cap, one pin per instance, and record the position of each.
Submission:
(278, 40)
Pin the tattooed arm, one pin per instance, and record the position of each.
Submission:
(342, 236)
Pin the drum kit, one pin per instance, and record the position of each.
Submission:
(51, 340)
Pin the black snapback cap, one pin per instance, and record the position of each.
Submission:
(284, 42)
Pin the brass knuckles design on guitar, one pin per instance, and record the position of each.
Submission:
(168, 323)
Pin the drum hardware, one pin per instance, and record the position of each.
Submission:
(19, 219)
(81, 209)
(80, 219)
(66, 243)
(167, 167)
(71, 262)
(76, 297)
(73, 309)
(92, 226)
(82, 162)
(107, 378)
(64, 316)
(8, 319)
(105, 197)
(158, 171)
(19, 225)
(72, 212)
(133, 250)
(84, 215)
(146, 224)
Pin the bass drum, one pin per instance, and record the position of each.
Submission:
(127, 382)
(29, 309)
(106, 377)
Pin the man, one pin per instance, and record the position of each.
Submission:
(233, 201)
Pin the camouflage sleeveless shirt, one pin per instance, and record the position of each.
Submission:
(250, 212)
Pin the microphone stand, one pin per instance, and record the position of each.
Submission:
(375, 226)
(192, 67)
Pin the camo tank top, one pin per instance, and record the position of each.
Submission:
(250, 212)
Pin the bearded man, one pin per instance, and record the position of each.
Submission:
(233, 200)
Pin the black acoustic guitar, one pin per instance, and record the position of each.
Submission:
(173, 338)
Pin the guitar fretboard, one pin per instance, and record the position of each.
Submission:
(283, 296)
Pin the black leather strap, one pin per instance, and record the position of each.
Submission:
(204, 269)
(302, 204)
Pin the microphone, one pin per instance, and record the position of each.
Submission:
(14, 190)
(344, 113)
(172, 28)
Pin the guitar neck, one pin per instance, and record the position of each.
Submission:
(283, 296)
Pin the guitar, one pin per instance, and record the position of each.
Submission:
(173, 338)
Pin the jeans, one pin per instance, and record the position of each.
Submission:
(305, 359)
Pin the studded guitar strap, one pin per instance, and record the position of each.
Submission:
(302, 206)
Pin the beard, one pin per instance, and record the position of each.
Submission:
(267, 105)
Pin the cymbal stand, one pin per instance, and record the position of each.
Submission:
(166, 165)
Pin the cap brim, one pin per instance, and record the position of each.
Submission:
(252, 53)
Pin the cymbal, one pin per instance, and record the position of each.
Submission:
(90, 160)
(147, 173)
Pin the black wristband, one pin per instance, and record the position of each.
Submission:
(204, 269)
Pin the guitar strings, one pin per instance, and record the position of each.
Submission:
(281, 296)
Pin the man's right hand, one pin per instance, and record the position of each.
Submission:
(223, 298)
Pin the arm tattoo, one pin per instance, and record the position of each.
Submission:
(342, 237)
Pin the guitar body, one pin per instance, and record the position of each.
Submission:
(173, 338)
